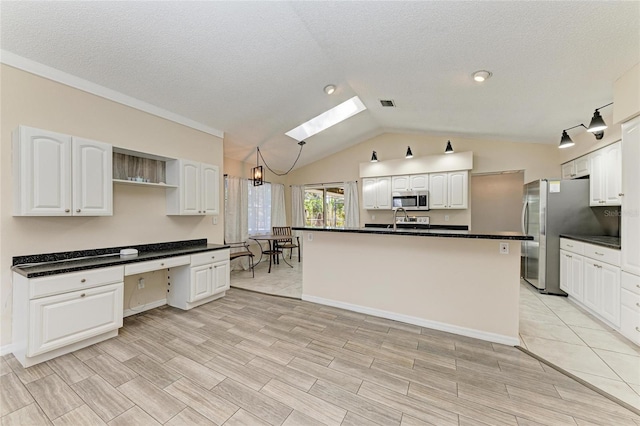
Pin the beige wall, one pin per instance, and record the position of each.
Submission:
(138, 213)
(536, 160)
(497, 202)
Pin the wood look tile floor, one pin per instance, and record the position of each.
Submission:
(255, 359)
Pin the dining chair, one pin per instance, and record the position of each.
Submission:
(287, 244)
(241, 249)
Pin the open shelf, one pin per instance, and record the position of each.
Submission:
(156, 185)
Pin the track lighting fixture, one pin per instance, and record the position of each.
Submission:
(565, 140)
(597, 124)
(409, 153)
(374, 157)
(449, 148)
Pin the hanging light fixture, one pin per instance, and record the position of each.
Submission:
(409, 153)
(257, 172)
(597, 125)
(565, 140)
(449, 148)
(374, 157)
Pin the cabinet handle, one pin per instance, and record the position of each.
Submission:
(599, 254)
(67, 210)
(213, 257)
(83, 280)
(621, 194)
(638, 304)
(210, 267)
(83, 294)
(569, 245)
(77, 210)
(162, 264)
(638, 329)
(570, 257)
(638, 285)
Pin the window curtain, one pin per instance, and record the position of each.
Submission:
(236, 215)
(259, 208)
(278, 211)
(351, 205)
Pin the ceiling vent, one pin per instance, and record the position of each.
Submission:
(387, 103)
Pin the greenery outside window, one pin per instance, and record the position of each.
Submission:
(324, 205)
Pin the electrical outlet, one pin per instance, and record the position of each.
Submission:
(446, 218)
(504, 248)
(140, 283)
(310, 236)
(373, 217)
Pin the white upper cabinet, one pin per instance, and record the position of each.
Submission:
(605, 176)
(376, 193)
(198, 188)
(60, 175)
(630, 221)
(410, 183)
(576, 168)
(449, 190)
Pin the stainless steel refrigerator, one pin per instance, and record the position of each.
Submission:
(552, 207)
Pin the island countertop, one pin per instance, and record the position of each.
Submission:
(444, 233)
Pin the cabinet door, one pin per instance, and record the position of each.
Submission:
(565, 272)
(610, 288)
(221, 277)
(419, 182)
(400, 183)
(630, 226)
(458, 190)
(383, 193)
(369, 193)
(210, 200)
(581, 167)
(568, 170)
(577, 280)
(190, 187)
(92, 181)
(61, 320)
(201, 282)
(438, 191)
(612, 174)
(42, 173)
(592, 293)
(596, 179)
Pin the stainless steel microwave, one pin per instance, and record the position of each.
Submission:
(411, 200)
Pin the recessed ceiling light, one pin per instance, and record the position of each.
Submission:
(327, 119)
(481, 76)
(329, 89)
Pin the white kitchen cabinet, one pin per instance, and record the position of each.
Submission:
(605, 178)
(201, 282)
(630, 307)
(60, 175)
(602, 290)
(592, 286)
(630, 221)
(376, 193)
(449, 190)
(410, 183)
(198, 188)
(58, 314)
(576, 168)
(571, 267)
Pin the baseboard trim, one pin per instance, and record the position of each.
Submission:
(6, 349)
(463, 331)
(145, 307)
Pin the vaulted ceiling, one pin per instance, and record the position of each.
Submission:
(255, 70)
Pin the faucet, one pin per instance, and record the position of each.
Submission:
(395, 213)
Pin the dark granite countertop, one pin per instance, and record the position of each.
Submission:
(40, 265)
(445, 233)
(599, 240)
(416, 225)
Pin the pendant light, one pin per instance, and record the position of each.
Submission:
(409, 153)
(597, 125)
(449, 148)
(565, 140)
(257, 172)
(374, 157)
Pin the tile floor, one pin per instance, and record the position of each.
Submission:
(551, 327)
(562, 333)
(257, 360)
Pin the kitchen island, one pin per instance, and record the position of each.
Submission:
(456, 281)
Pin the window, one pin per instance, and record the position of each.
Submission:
(259, 208)
(324, 205)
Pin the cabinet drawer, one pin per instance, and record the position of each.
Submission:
(631, 282)
(630, 323)
(63, 319)
(602, 254)
(571, 245)
(154, 265)
(64, 283)
(209, 257)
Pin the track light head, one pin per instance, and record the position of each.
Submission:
(374, 157)
(409, 153)
(597, 124)
(449, 148)
(565, 140)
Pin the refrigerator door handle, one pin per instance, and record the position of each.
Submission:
(524, 214)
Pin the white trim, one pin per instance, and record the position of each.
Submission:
(146, 307)
(449, 328)
(6, 349)
(54, 74)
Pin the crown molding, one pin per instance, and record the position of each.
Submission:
(54, 74)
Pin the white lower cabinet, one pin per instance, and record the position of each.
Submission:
(571, 276)
(630, 307)
(208, 276)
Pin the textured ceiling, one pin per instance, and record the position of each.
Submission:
(256, 69)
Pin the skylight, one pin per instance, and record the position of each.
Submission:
(327, 119)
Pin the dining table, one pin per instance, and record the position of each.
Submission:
(273, 251)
